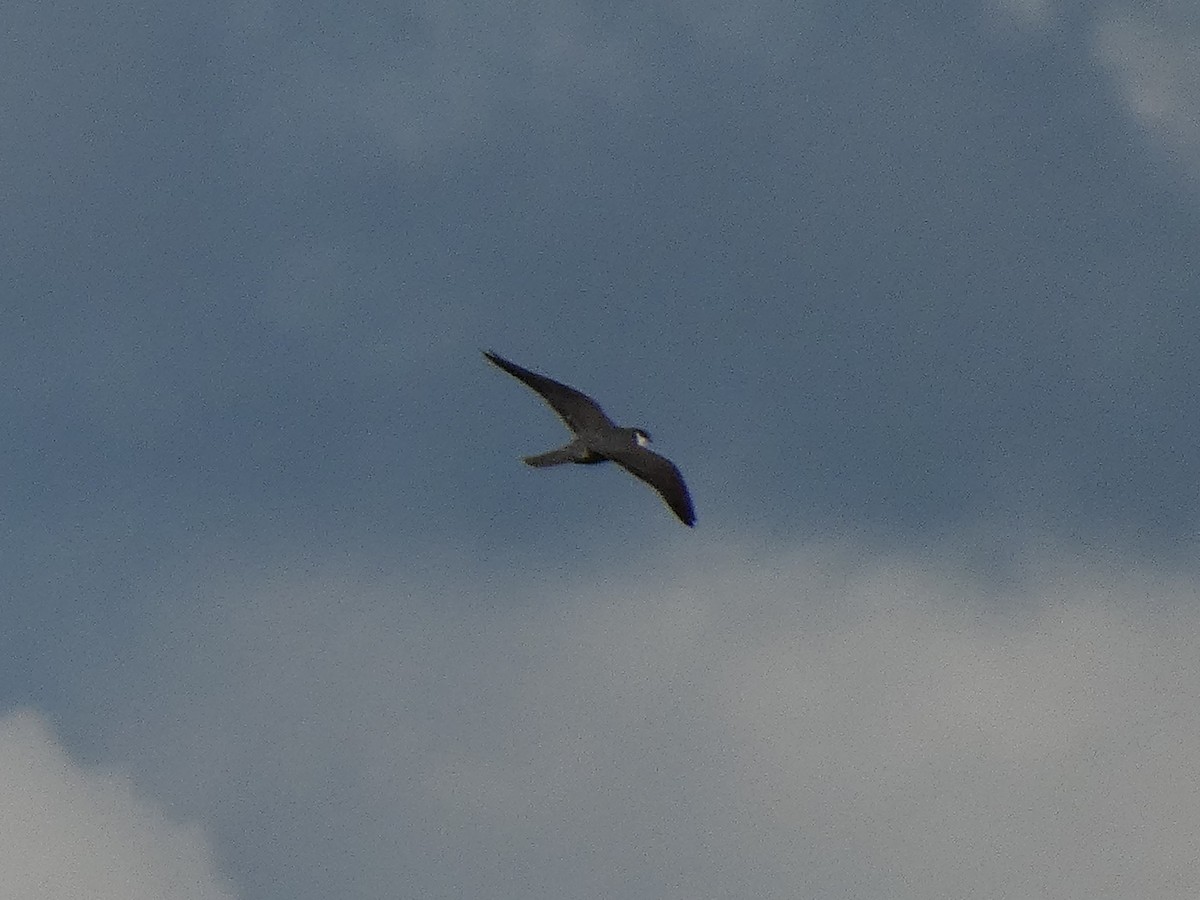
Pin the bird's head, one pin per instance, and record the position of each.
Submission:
(642, 436)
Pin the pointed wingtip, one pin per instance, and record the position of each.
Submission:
(495, 359)
(685, 513)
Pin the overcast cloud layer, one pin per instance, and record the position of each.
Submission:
(908, 293)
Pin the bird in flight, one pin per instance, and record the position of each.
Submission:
(596, 439)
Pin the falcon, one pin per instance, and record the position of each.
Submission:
(596, 439)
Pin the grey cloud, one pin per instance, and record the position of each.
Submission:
(821, 721)
(1034, 15)
(433, 77)
(248, 288)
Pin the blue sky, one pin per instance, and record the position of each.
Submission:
(907, 292)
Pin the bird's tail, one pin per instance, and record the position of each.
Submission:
(552, 457)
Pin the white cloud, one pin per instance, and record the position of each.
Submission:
(1152, 52)
(71, 834)
(776, 724)
(1155, 61)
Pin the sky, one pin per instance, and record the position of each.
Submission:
(907, 290)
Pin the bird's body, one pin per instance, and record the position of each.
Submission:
(598, 439)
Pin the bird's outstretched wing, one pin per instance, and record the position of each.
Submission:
(579, 411)
(660, 473)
